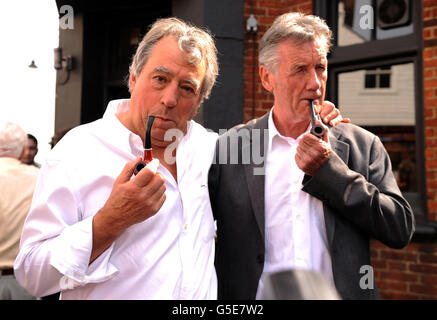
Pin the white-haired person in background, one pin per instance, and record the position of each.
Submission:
(17, 183)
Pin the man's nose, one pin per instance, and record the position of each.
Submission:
(313, 82)
(170, 95)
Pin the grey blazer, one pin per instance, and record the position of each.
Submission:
(361, 200)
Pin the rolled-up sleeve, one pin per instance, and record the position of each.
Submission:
(56, 242)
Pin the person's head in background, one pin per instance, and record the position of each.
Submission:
(30, 150)
(12, 140)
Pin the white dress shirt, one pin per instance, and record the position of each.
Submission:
(168, 256)
(295, 233)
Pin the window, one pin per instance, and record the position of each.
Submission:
(377, 78)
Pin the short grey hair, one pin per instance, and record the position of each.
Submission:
(12, 140)
(293, 25)
(197, 43)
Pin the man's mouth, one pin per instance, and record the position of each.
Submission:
(164, 122)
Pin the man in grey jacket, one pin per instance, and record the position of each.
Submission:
(311, 203)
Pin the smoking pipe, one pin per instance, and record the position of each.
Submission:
(147, 147)
(317, 128)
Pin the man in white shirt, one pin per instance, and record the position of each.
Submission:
(95, 231)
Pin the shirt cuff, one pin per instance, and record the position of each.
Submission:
(71, 253)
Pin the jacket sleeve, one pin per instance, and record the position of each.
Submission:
(373, 204)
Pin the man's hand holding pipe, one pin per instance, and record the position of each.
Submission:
(131, 201)
(312, 152)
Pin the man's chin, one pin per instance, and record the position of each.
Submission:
(160, 142)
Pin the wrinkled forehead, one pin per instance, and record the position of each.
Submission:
(291, 49)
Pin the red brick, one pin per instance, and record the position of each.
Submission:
(430, 143)
(422, 268)
(428, 53)
(429, 279)
(398, 266)
(430, 102)
(428, 74)
(400, 276)
(267, 20)
(392, 285)
(398, 296)
(424, 289)
(429, 93)
(432, 205)
(432, 216)
(429, 113)
(427, 257)
(271, 4)
(399, 255)
(429, 3)
(430, 133)
(431, 83)
(306, 8)
(431, 123)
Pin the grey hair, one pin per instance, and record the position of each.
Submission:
(12, 140)
(293, 25)
(196, 42)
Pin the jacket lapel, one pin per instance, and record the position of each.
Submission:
(255, 176)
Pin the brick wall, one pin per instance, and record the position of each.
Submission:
(410, 273)
(430, 101)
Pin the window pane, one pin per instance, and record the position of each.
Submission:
(370, 81)
(384, 81)
(349, 30)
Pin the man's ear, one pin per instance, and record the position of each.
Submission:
(21, 155)
(266, 78)
(132, 82)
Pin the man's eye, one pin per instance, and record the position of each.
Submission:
(159, 78)
(188, 89)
